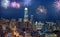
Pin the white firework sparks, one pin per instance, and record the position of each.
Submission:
(5, 3)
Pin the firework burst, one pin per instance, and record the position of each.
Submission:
(5, 3)
(15, 5)
(57, 5)
(41, 9)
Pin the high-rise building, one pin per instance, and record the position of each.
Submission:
(31, 19)
(50, 26)
(58, 24)
(12, 23)
(27, 34)
(39, 25)
(32, 22)
(51, 35)
(20, 20)
(19, 23)
(1, 21)
(27, 24)
(25, 14)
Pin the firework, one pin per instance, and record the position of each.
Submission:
(41, 9)
(15, 5)
(5, 3)
(57, 5)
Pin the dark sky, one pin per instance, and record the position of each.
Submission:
(51, 14)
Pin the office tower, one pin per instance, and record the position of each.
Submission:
(50, 26)
(31, 19)
(27, 34)
(12, 23)
(19, 24)
(27, 24)
(32, 23)
(1, 21)
(20, 20)
(25, 17)
(39, 25)
(25, 14)
(58, 24)
(36, 23)
(51, 35)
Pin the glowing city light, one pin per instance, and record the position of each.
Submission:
(26, 8)
(5, 3)
(41, 9)
(57, 4)
(15, 5)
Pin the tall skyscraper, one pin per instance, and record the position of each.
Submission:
(31, 19)
(25, 14)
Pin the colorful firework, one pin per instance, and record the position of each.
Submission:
(15, 5)
(41, 9)
(57, 5)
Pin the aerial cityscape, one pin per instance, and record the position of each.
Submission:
(29, 18)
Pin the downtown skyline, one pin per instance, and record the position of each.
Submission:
(52, 14)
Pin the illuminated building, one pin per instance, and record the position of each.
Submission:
(12, 23)
(25, 14)
(57, 26)
(27, 34)
(31, 19)
(20, 20)
(19, 23)
(32, 22)
(27, 24)
(1, 21)
(39, 25)
(50, 26)
(51, 35)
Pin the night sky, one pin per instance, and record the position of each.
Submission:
(51, 13)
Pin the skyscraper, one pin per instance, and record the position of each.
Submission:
(25, 14)
(31, 19)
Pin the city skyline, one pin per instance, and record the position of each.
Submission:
(51, 13)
